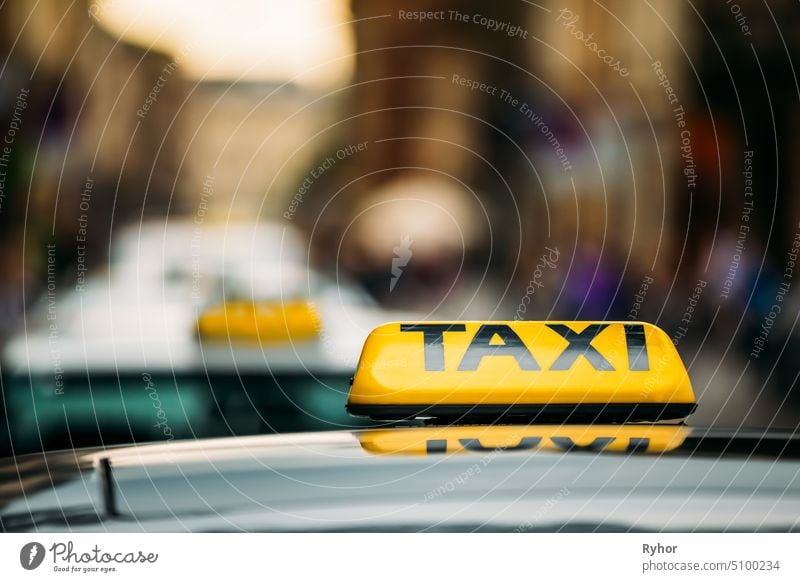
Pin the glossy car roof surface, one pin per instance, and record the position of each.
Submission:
(714, 480)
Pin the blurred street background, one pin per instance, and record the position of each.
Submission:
(581, 159)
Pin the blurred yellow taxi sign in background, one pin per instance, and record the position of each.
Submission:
(558, 370)
(630, 438)
(263, 322)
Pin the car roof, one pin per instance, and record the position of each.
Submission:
(329, 481)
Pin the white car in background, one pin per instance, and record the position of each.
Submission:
(88, 367)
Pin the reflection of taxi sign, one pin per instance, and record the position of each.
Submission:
(626, 438)
(576, 371)
(266, 322)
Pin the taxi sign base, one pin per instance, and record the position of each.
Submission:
(515, 413)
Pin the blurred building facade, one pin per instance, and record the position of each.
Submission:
(81, 159)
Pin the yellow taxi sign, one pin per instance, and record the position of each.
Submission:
(555, 370)
(628, 439)
(265, 322)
